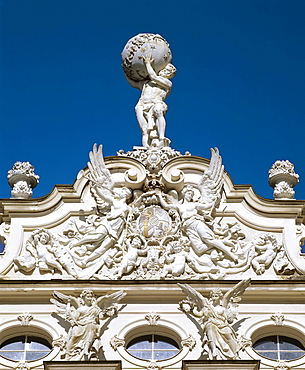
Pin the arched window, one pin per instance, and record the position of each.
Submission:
(25, 348)
(279, 347)
(153, 347)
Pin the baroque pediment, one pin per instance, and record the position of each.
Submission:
(151, 214)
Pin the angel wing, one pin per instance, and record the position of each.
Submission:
(235, 292)
(100, 175)
(63, 302)
(211, 181)
(110, 300)
(98, 171)
(194, 296)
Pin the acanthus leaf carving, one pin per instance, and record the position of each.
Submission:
(189, 342)
(152, 318)
(25, 319)
(116, 342)
(278, 318)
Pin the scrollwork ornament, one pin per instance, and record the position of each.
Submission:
(116, 342)
(4, 232)
(244, 342)
(22, 365)
(25, 319)
(59, 342)
(189, 342)
(278, 318)
(152, 318)
(282, 365)
(153, 365)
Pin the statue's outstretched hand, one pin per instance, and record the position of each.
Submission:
(148, 59)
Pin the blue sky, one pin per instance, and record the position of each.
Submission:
(240, 83)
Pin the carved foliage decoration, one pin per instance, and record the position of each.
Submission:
(25, 318)
(152, 232)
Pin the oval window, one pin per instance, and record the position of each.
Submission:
(279, 347)
(25, 348)
(153, 347)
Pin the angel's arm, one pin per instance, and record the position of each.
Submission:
(203, 206)
(106, 198)
(167, 205)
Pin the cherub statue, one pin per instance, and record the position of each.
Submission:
(175, 259)
(40, 252)
(107, 229)
(151, 109)
(193, 213)
(130, 259)
(216, 315)
(85, 314)
(263, 252)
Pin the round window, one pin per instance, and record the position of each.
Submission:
(279, 347)
(153, 347)
(25, 348)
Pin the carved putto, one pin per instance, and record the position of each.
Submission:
(85, 315)
(151, 231)
(216, 314)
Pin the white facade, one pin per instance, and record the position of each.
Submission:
(131, 228)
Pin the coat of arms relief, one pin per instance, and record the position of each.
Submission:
(150, 219)
(151, 228)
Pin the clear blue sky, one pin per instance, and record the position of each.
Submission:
(240, 83)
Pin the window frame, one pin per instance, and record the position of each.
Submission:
(278, 350)
(153, 350)
(26, 346)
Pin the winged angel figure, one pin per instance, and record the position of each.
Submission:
(216, 314)
(194, 213)
(85, 314)
(110, 204)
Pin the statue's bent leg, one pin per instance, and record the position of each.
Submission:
(159, 113)
(139, 108)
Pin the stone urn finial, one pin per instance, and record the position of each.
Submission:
(22, 179)
(283, 179)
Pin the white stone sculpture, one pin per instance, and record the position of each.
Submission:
(4, 234)
(216, 314)
(193, 212)
(109, 227)
(264, 250)
(146, 63)
(40, 253)
(283, 179)
(85, 315)
(130, 259)
(25, 318)
(22, 179)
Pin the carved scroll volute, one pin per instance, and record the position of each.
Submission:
(173, 177)
(135, 177)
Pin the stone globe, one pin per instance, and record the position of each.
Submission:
(141, 45)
